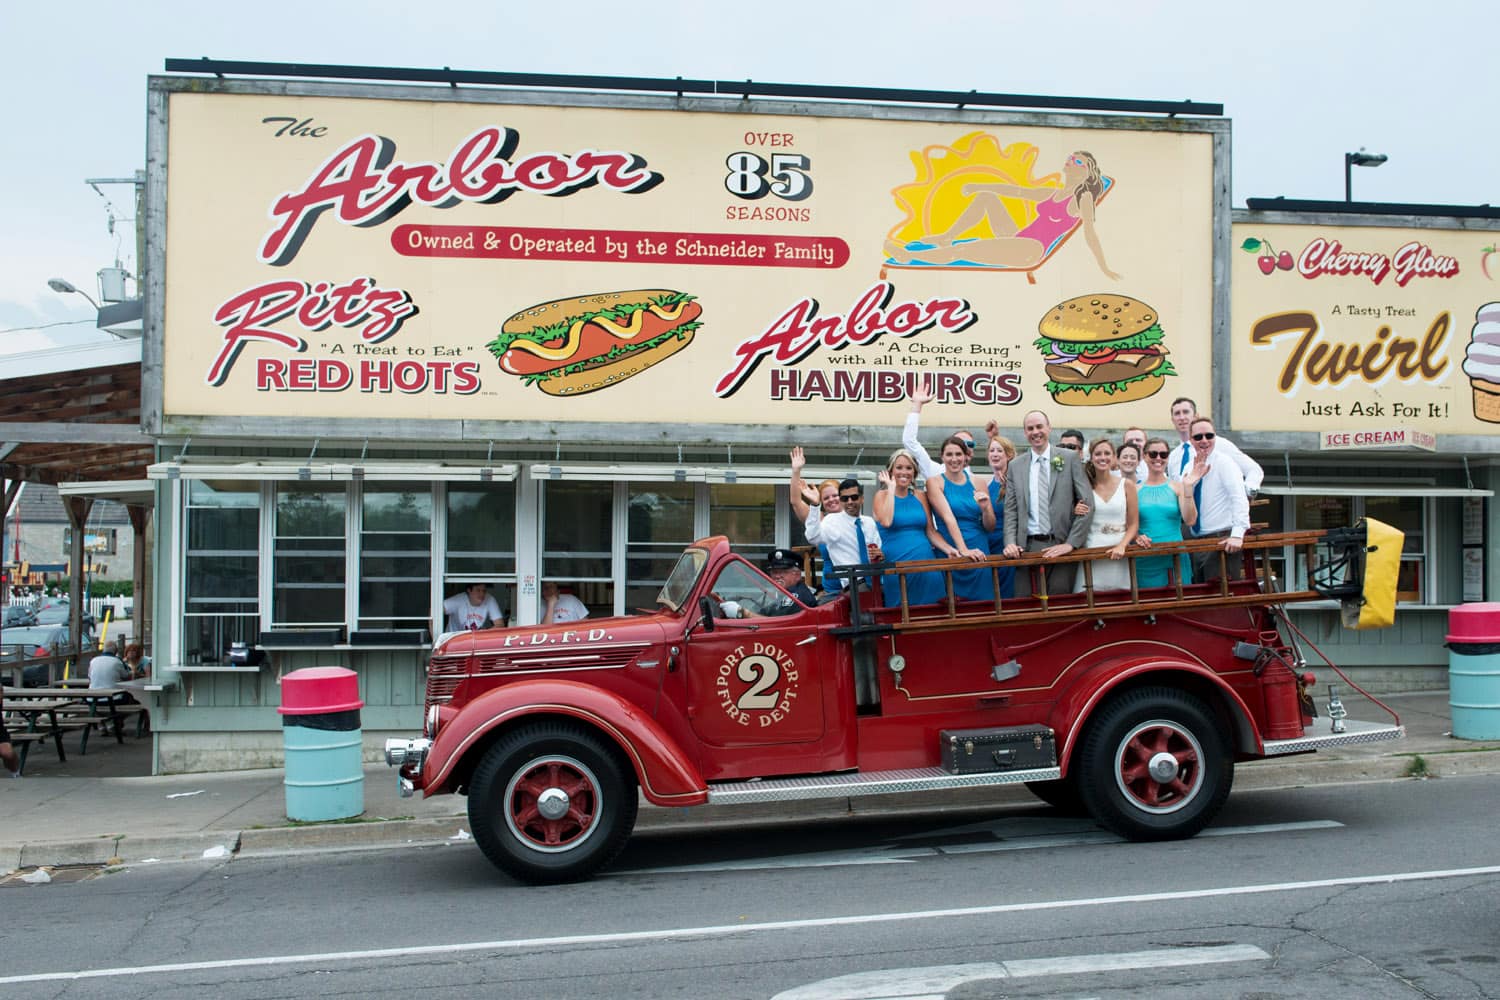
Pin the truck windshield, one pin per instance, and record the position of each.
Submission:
(679, 585)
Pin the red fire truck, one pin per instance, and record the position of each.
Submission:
(1133, 705)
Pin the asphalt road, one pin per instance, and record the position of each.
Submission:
(1373, 890)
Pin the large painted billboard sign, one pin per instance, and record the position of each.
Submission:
(439, 260)
(1353, 328)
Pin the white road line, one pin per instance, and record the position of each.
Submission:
(934, 982)
(732, 930)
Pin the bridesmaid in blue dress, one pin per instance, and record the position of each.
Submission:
(907, 534)
(1164, 507)
(1001, 451)
(964, 516)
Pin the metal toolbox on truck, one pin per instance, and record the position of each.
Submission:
(1012, 748)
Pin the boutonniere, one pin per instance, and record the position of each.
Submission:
(1057, 463)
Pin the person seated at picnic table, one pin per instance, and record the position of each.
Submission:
(7, 752)
(107, 670)
(136, 660)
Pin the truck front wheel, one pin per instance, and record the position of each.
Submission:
(1155, 765)
(551, 802)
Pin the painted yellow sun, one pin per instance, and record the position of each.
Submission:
(933, 201)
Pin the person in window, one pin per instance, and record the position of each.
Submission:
(473, 609)
(558, 607)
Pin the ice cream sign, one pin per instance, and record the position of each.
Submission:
(1372, 337)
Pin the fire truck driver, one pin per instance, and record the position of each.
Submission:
(747, 598)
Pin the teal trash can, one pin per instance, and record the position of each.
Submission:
(325, 775)
(1474, 671)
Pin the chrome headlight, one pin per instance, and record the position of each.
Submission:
(430, 725)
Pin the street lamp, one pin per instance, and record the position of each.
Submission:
(68, 288)
(1359, 159)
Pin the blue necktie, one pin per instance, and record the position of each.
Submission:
(859, 536)
(1187, 452)
(1198, 502)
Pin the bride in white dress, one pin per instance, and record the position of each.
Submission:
(1115, 521)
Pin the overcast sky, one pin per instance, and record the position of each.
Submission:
(1303, 82)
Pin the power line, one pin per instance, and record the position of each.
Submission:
(46, 326)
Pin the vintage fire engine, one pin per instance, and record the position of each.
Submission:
(1132, 705)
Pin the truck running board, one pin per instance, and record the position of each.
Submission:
(1319, 735)
(830, 786)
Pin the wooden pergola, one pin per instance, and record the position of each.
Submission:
(63, 421)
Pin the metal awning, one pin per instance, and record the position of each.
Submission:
(134, 492)
(343, 471)
(744, 474)
(1374, 489)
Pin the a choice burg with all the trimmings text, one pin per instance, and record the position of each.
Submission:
(568, 347)
(1102, 349)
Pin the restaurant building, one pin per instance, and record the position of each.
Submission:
(405, 337)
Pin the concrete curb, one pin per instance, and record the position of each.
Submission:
(658, 821)
(353, 836)
(121, 849)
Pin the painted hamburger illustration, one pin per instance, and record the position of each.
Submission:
(568, 347)
(1102, 349)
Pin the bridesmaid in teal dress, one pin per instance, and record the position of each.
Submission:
(1165, 507)
(907, 534)
(1001, 451)
(965, 517)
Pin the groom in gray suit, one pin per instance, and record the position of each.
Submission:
(1049, 524)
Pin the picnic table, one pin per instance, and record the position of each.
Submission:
(33, 710)
(102, 704)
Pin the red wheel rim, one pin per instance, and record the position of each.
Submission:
(552, 804)
(1159, 766)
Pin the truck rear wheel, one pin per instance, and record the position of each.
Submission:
(1155, 765)
(551, 802)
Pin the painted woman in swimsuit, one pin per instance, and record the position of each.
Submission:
(1058, 210)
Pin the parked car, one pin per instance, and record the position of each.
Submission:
(16, 616)
(17, 644)
(58, 611)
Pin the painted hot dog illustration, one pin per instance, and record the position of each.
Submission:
(568, 347)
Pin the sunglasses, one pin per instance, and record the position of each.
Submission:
(1157, 454)
(1068, 445)
(968, 445)
(853, 498)
(1208, 436)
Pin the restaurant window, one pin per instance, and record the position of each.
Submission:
(659, 519)
(1406, 513)
(746, 515)
(481, 541)
(1268, 514)
(310, 535)
(395, 557)
(578, 540)
(222, 572)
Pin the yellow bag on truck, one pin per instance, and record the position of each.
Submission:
(1376, 607)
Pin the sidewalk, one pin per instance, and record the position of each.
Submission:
(78, 820)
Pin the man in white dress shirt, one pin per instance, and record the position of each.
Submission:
(1219, 490)
(1184, 412)
(852, 538)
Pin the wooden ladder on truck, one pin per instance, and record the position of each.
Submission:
(1229, 590)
